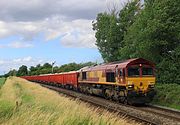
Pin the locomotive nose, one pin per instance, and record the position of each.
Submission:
(141, 87)
(140, 84)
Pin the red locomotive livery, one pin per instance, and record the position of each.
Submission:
(131, 81)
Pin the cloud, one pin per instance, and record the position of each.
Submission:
(16, 45)
(22, 60)
(7, 64)
(19, 45)
(27, 30)
(68, 20)
(76, 40)
(33, 10)
(79, 31)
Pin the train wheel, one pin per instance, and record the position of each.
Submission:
(87, 91)
(104, 93)
(106, 97)
(123, 97)
(125, 101)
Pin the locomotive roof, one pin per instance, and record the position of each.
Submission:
(119, 64)
(58, 73)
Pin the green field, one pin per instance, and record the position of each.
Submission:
(168, 95)
(25, 103)
(2, 80)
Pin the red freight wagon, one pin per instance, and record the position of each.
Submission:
(26, 77)
(50, 78)
(33, 78)
(30, 78)
(71, 78)
(58, 78)
(55, 78)
(42, 78)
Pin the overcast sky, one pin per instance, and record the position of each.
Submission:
(39, 31)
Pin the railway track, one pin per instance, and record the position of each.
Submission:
(145, 114)
(164, 112)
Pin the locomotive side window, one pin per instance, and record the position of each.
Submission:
(84, 75)
(133, 71)
(121, 72)
(110, 77)
(147, 71)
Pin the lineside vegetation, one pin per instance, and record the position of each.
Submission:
(26, 103)
(2, 81)
(168, 95)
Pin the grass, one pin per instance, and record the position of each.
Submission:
(2, 81)
(23, 102)
(168, 95)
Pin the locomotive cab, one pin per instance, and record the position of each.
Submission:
(140, 80)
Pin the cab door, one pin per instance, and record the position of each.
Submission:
(121, 76)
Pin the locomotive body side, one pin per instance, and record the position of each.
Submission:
(131, 81)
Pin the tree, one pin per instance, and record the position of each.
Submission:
(111, 28)
(155, 35)
(23, 71)
(10, 73)
(47, 65)
(101, 26)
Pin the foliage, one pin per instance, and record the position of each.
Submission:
(23, 71)
(110, 30)
(74, 66)
(102, 27)
(151, 31)
(155, 36)
(10, 73)
(168, 95)
(47, 68)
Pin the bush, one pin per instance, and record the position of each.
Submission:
(168, 95)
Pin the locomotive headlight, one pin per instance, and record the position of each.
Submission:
(131, 86)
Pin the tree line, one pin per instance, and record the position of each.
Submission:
(149, 29)
(47, 68)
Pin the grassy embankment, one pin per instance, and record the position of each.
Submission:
(168, 95)
(2, 80)
(22, 102)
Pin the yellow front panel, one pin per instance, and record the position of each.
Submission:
(140, 83)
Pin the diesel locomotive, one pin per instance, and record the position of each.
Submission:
(131, 81)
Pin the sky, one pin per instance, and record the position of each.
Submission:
(38, 31)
